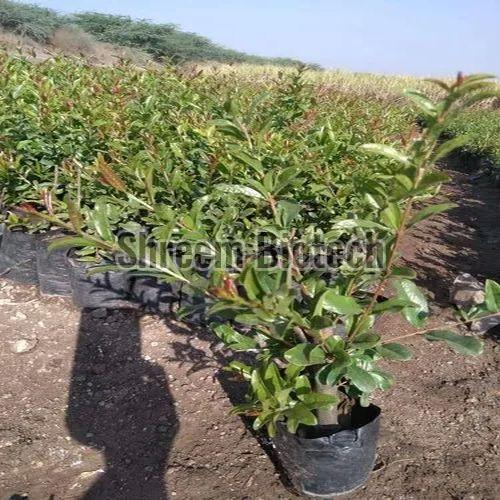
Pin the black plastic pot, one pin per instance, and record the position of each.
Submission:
(324, 461)
(154, 296)
(109, 289)
(18, 256)
(52, 267)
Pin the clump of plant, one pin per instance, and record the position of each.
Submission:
(312, 330)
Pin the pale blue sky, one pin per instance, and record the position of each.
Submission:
(419, 37)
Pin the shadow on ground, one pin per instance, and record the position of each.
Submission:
(120, 404)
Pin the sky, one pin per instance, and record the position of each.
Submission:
(414, 37)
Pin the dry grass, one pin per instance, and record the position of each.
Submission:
(71, 40)
(386, 88)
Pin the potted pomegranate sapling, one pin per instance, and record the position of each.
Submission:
(313, 331)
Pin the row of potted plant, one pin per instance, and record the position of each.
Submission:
(113, 150)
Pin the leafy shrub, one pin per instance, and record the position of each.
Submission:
(32, 21)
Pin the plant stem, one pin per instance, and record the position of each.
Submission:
(450, 325)
(387, 272)
(327, 416)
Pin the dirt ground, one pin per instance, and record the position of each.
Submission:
(115, 405)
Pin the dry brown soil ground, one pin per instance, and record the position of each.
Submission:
(112, 405)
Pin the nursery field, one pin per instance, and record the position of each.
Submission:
(439, 433)
(244, 260)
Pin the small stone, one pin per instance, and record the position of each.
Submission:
(21, 316)
(23, 345)
(466, 291)
(479, 461)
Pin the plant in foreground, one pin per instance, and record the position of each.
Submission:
(313, 331)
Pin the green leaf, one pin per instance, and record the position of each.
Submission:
(358, 223)
(463, 344)
(71, 242)
(391, 216)
(392, 305)
(387, 151)
(315, 400)
(334, 344)
(239, 189)
(288, 211)
(339, 304)
(229, 128)
(305, 355)
(439, 83)
(365, 341)
(302, 385)
(361, 379)
(330, 374)
(248, 319)
(418, 312)
(272, 378)
(239, 367)
(321, 322)
(432, 178)
(431, 210)
(252, 284)
(384, 380)
(247, 159)
(259, 388)
(405, 181)
(422, 101)
(449, 146)
(299, 414)
(235, 340)
(492, 292)
(101, 221)
(394, 351)
(409, 291)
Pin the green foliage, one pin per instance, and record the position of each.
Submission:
(481, 131)
(317, 327)
(162, 40)
(29, 20)
(201, 167)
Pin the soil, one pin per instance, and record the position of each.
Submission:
(123, 406)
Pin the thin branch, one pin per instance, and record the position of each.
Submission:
(449, 325)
